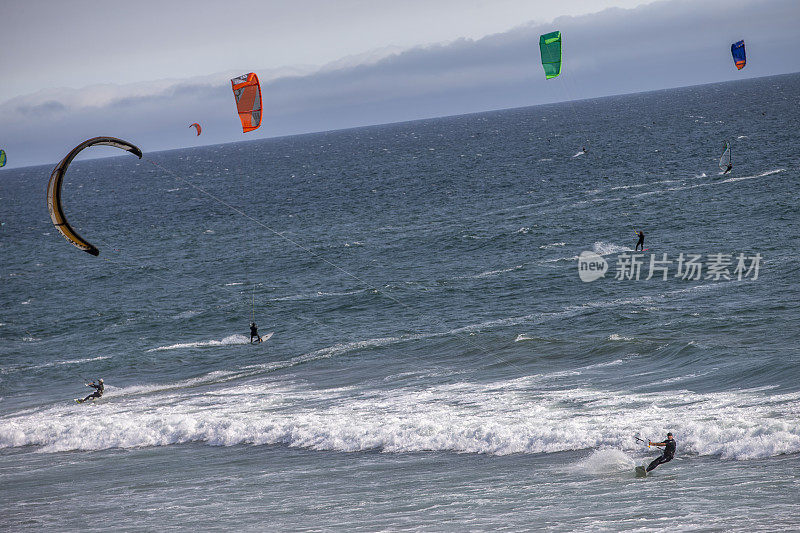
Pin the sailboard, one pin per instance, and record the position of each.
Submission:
(641, 471)
(725, 160)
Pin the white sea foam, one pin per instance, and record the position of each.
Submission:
(227, 341)
(617, 337)
(762, 175)
(26, 368)
(490, 273)
(318, 294)
(607, 248)
(502, 417)
(558, 259)
(715, 183)
(678, 379)
(78, 361)
(186, 314)
(605, 461)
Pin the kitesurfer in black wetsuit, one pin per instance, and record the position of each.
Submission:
(641, 240)
(98, 390)
(728, 168)
(669, 445)
(254, 332)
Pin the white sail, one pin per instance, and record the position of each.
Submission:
(725, 160)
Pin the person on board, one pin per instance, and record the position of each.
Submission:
(98, 390)
(641, 240)
(254, 332)
(728, 168)
(669, 445)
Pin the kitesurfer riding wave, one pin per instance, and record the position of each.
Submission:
(98, 390)
(669, 452)
(254, 332)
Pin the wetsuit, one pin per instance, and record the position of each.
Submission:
(641, 241)
(97, 393)
(669, 454)
(728, 169)
(254, 333)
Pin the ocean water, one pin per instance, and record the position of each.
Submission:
(437, 362)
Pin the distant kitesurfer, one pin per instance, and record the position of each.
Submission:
(669, 445)
(728, 168)
(254, 332)
(98, 390)
(641, 240)
(584, 149)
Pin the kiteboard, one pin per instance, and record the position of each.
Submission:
(266, 337)
(641, 472)
(79, 400)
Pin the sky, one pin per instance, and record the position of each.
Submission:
(145, 70)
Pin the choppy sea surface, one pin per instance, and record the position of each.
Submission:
(437, 362)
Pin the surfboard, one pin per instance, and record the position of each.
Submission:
(640, 471)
